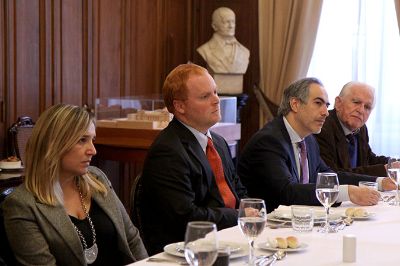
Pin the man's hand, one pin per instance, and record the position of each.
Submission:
(251, 212)
(388, 184)
(363, 196)
(395, 164)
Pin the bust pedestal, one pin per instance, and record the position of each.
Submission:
(228, 83)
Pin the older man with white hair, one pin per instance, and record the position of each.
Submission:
(344, 141)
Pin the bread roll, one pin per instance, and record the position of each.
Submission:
(292, 242)
(360, 212)
(272, 242)
(282, 243)
(350, 212)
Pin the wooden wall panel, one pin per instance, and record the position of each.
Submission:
(2, 76)
(24, 60)
(146, 41)
(109, 35)
(71, 51)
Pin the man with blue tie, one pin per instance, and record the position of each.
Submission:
(344, 141)
(273, 164)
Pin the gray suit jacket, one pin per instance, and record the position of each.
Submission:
(40, 234)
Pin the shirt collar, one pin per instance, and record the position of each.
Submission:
(348, 131)
(294, 137)
(201, 137)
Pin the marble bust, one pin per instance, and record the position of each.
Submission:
(223, 53)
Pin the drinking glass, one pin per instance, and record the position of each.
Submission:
(393, 170)
(201, 243)
(327, 191)
(252, 219)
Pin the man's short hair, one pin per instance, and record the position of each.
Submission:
(300, 90)
(175, 84)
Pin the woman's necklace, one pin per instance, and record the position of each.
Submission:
(90, 253)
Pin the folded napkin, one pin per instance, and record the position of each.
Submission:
(285, 211)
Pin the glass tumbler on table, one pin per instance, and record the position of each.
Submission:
(393, 170)
(201, 243)
(327, 191)
(252, 219)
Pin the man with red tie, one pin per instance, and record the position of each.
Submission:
(188, 174)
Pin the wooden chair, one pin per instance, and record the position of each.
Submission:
(135, 204)
(6, 252)
(19, 134)
(269, 108)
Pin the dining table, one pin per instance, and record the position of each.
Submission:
(377, 240)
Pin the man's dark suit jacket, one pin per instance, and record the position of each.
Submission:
(333, 145)
(179, 186)
(267, 168)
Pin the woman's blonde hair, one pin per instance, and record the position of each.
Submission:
(56, 131)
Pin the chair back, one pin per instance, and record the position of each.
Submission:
(6, 252)
(135, 204)
(19, 134)
(269, 108)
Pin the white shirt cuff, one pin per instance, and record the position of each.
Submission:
(343, 193)
(379, 181)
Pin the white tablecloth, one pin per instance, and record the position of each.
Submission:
(378, 241)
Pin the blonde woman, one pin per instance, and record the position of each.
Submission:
(66, 212)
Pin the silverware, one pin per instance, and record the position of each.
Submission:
(262, 259)
(269, 260)
(285, 224)
(180, 262)
(388, 198)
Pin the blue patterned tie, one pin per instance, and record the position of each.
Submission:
(352, 146)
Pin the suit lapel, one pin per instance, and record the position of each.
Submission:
(62, 224)
(289, 146)
(107, 204)
(342, 150)
(194, 149)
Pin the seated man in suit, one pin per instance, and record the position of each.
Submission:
(188, 174)
(223, 53)
(270, 164)
(343, 140)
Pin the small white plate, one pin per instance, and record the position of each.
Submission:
(267, 246)
(237, 249)
(11, 169)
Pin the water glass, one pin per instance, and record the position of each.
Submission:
(302, 218)
(201, 243)
(393, 170)
(252, 219)
(371, 185)
(223, 256)
(327, 192)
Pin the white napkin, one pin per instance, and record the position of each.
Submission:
(285, 211)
